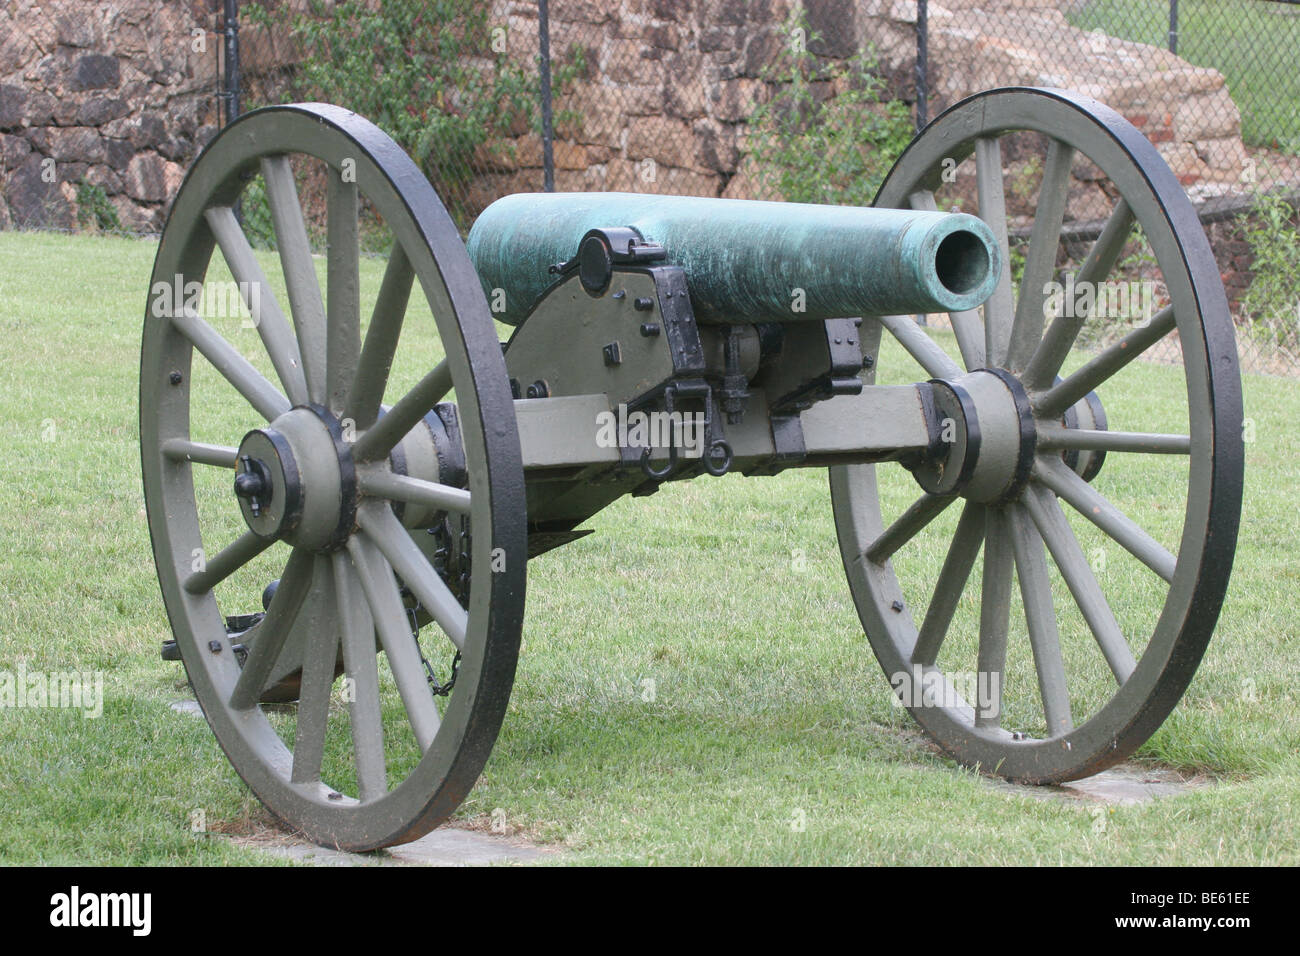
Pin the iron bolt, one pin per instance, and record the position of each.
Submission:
(214, 647)
(249, 485)
(643, 304)
(253, 484)
(538, 389)
(175, 378)
(649, 329)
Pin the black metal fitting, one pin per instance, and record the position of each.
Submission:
(253, 483)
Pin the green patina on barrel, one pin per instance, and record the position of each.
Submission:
(746, 261)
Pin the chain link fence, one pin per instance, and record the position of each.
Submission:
(1212, 83)
(811, 102)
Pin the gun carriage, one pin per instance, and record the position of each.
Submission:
(386, 528)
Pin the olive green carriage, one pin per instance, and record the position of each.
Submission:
(321, 537)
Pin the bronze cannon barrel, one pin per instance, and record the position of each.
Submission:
(746, 260)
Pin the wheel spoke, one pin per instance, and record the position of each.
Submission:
(967, 326)
(919, 514)
(395, 634)
(343, 318)
(993, 210)
(417, 573)
(381, 340)
(379, 439)
(269, 321)
(226, 562)
(178, 449)
(415, 491)
(965, 545)
(1053, 402)
(319, 659)
(299, 271)
(1040, 616)
(361, 666)
(1040, 259)
(1064, 329)
(268, 637)
(920, 346)
(233, 367)
(1068, 555)
(995, 612)
(1089, 503)
(969, 329)
(1053, 437)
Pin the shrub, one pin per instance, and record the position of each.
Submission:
(433, 75)
(811, 146)
(1271, 303)
(95, 210)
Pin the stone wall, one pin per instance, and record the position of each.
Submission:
(118, 95)
(1185, 110)
(674, 82)
(669, 87)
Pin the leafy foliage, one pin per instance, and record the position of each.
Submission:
(825, 135)
(1271, 302)
(433, 75)
(255, 215)
(95, 210)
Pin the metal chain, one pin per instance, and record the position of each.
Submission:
(439, 690)
(458, 583)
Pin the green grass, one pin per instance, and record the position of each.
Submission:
(1252, 43)
(768, 707)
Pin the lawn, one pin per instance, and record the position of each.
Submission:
(1252, 43)
(769, 737)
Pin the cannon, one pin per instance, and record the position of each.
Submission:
(1037, 549)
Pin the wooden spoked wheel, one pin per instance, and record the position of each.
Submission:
(276, 450)
(1126, 477)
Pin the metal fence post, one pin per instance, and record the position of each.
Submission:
(1173, 26)
(544, 75)
(922, 62)
(230, 92)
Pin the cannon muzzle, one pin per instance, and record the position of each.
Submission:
(749, 261)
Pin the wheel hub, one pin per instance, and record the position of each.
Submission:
(296, 480)
(1086, 413)
(986, 437)
(985, 443)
